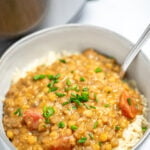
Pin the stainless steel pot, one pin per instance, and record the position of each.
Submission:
(77, 38)
(20, 16)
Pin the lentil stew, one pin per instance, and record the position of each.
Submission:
(77, 103)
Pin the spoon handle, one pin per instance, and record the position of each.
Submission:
(135, 50)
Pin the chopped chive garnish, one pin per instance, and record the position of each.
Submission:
(106, 105)
(18, 112)
(67, 89)
(52, 89)
(91, 136)
(95, 125)
(98, 70)
(82, 140)
(117, 128)
(62, 61)
(85, 89)
(79, 98)
(51, 77)
(38, 77)
(72, 71)
(76, 88)
(93, 107)
(47, 120)
(95, 96)
(68, 82)
(78, 102)
(65, 103)
(82, 79)
(73, 127)
(129, 101)
(44, 125)
(73, 94)
(84, 96)
(87, 106)
(100, 143)
(60, 94)
(48, 111)
(54, 80)
(57, 76)
(50, 84)
(61, 124)
(74, 107)
(144, 129)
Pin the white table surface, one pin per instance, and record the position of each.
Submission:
(126, 17)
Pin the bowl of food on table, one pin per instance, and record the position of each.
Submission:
(61, 90)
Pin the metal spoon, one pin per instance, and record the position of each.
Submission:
(134, 51)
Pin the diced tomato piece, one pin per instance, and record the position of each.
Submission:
(127, 105)
(62, 143)
(32, 118)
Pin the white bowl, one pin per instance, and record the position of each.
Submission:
(71, 38)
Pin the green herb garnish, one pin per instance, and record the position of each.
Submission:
(79, 98)
(82, 140)
(84, 96)
(75, 88)
(61, 124)
(144, 129)
(82, 79)
(106, 105)
(52, 89)
(74, 128)
(95, 125)
(87, 106)
(52, 77)
(73, 94)
(47, 112)
(98, 70)
(117, 128)
(85, 89)
(129, 101)
(91, 136)
(77, 102)
(38, 77)
(67, 89)
(50, 85)
(62, 61)
(18, 112)
(95, 96)
(47, 120)
(93, 107)
(68, 82)
(60, 94)
(100, 143)
(65, 103)
(54, 80)
(74, 107)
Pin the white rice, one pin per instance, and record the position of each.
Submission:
(131, 135)
(47, 60)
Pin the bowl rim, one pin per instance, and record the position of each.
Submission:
(43, 31)
(12, 49)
